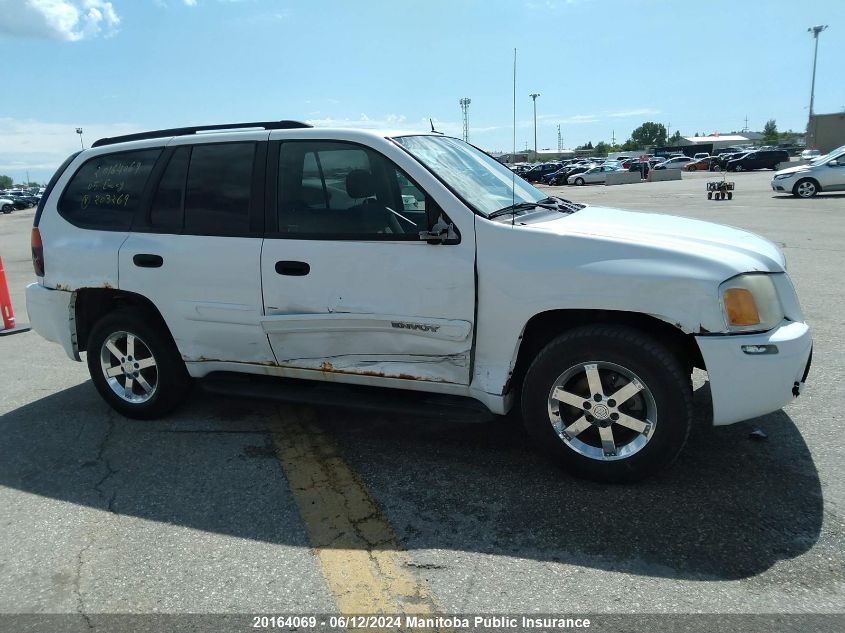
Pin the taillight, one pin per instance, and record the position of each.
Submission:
(37, 252)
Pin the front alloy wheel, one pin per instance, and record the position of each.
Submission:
(806, 189)
(602, 410)
(608, 403)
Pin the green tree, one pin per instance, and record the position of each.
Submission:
(649, 133)
(675, 139)
(6, 182)
(770, 132)
(602, 148)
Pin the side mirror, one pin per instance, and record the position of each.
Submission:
(441, 233)
(835, 163)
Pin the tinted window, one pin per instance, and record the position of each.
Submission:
(345, 191)
(106, 191)
(219, 187)
(166, 209)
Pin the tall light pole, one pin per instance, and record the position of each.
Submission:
(79, 131)
(534, 96)
(815, 30)
(465, 109)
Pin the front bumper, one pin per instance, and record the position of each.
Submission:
(745, 385)
(784, 185)
(52, 314)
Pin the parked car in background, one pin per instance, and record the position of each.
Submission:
(810, 154)
(824, 173)
(701, 155)
(17, 202)
(760, 159)
(592, 175)
(578, 168)
(7, 205)
(642, 167)
(538, 171)
(700, 164)
(674, 163)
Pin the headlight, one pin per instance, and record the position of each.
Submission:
(782, 176)
(750, 303)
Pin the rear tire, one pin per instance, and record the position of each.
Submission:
(135, 365)
(8, 208)
(585, 368)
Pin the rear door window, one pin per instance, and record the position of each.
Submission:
(219, 189)
(107, 190)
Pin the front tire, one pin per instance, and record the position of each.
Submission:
(579, 181)
(135, 365)
(806, 188)
(8, 208)
(608, 403)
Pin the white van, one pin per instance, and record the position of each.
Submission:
(413, 262)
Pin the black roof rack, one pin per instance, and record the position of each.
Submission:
(184, 131)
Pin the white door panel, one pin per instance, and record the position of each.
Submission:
(399, 309)
(208, 290)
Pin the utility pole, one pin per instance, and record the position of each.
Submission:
(465, 109)
(79, 131)
(534, 96)
(815, 30)
(560, 139)
(613, 137)
(745, 129)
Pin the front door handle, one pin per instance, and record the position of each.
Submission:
(294, 269)
(146, 260)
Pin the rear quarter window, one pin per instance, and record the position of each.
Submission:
(106, 191)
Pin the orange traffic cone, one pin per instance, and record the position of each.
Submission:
(6, 307)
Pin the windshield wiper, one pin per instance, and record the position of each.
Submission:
(564, 204)
(521, 206)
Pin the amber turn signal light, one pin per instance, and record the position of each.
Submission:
(740, 307)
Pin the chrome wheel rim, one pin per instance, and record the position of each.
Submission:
(602, 411)
(806, 189)
(129, 367)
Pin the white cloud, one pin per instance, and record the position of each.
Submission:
(399, 123)
(630, 113)
(68, 20)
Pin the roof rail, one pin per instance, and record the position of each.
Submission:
(184, 131)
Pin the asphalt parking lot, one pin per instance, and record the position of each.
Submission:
(235, 506)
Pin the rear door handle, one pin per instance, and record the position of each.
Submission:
(146, 260)
(294, 269)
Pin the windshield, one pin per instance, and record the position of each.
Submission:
(823, 159)
(481, 181)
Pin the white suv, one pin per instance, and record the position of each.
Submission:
(414, 262)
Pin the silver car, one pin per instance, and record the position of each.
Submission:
(592, 175)
(825, 173)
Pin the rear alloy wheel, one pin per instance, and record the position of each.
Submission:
(608, 403)
(135, 365)
(806, 188)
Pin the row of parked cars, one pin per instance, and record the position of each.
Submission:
(12, 199)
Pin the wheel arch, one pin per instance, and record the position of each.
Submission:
(543, 327)
(92, 304)
(803, 178)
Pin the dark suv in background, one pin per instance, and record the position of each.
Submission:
(760, 159)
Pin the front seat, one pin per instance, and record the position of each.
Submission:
(371, 216)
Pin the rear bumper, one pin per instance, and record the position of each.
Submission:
(745, 385)
(52, 315)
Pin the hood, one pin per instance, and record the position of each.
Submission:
(793, 170)
(740, 250)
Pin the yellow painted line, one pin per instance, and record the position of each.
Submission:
(360, 556)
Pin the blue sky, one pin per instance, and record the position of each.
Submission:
(601, 66)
